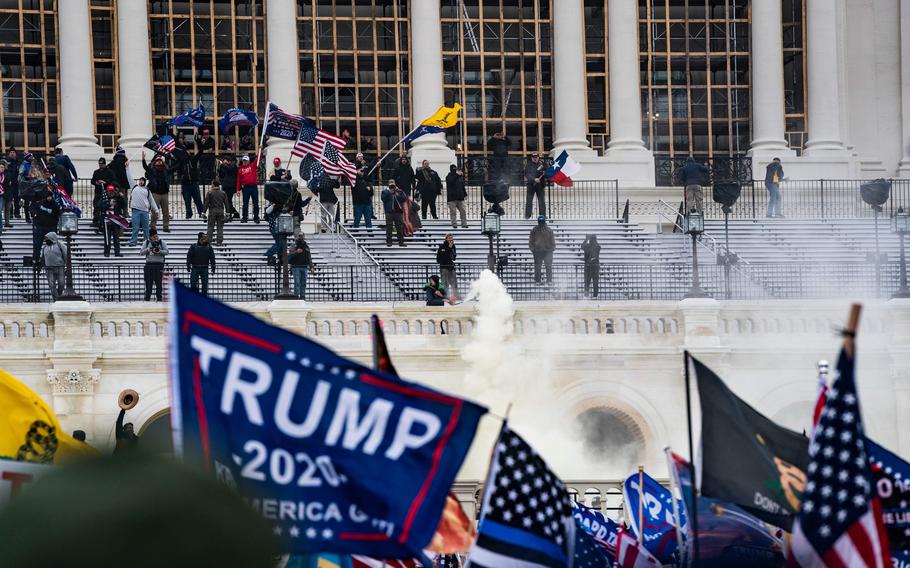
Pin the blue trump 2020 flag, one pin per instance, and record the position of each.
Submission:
(193, 117)
(338, 457)
(237, 117)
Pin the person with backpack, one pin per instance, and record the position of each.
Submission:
(445, 256)
(591, 249)
(693, 176)
(774, 174)
(542, 243)
(199, 257)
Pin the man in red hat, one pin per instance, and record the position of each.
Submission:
(279, 174)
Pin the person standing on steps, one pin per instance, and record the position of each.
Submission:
(199, 258)
(205, 156)
(498, 147)
(159, 184)
(141, 205)
(694, 175)
(154, 250)
(534, 174)
(246, 183)
(301, 261)
(591, 249)
(362, 199)
(394, 201)
(445, 256)
(227, 174)
(429, 186)
(456, 195)
(404, 175)
(216, 203)
(46, 216)
(53, 256)
(101, 178)
(189, 187)
(542, 243)
(774, 174)
(13, 202)
(325, 187)
(114, 220)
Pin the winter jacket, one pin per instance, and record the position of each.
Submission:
(246, 175)
(158, 182)
(103, 175)
(455, 190)
(216, 201)
(325, 188)
(118, 172)
(46, 214)
(534, 171)
(445, 255)
(60, 172)
(362, 192)
(66, 163)
(774, 168)
(204, 147)
(302, 258)
(141, 199)
(148, 251)
(12, 170)
(542, 239)
(200, 255)
(428, 183)
(393, 202)
(404, 177)
(592, 252)
(53, 255)
(694, 173)
(499, 147)
(227, 173)
(432, 298)
(188, 171)
(280, 174)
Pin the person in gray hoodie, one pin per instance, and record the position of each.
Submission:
(154, 251)
(53, 255)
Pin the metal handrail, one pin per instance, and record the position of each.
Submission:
(337, 227)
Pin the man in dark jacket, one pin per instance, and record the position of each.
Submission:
(215, 207)
(114, 218)
(693, 176)
(774, 173)
(456, 195)
(434, 291)
(404, 175)
(591, 250)
(301, 260)
(118, 166)
(46, 215)
(498, 147)
(66, 163)
(325, 189)
(205, 156)
(362, 199)
(199, 257)
(279, 173)
(542, 243)
(227, 173)
(445, 256)
(429, 186)
(534, 171)
(394, 201)
(62, 176)
(12, 190)
(189, 187)
(159, 184)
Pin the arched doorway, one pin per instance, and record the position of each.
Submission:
(155, 435)
(611, 435)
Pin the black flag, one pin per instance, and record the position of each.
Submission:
(747, 459)
(382, 361)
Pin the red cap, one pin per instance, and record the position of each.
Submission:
(110, 187)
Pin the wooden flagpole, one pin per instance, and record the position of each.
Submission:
(265, 126)
(641, 506)
(849, 332)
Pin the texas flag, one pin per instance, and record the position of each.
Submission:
(562, 170)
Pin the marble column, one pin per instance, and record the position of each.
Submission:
(135, 80)
(824, 75)
(569, 84)
(283, 68)
(426, 83)
(77, 101)
(768, 81)
(625, 91)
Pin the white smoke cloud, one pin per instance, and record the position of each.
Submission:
(502, 368)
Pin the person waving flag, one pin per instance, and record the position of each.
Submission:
(562, 170)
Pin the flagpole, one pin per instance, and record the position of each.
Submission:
(641, 509)
(694, 508)
(392, 149)
(674, 489)
(265, 125)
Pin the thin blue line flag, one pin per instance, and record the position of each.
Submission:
(338, 457)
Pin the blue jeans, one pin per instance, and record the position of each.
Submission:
(139, 219)
(300, 274)
(276, 246)
(250, 193)
(773, 199)
(364, 212)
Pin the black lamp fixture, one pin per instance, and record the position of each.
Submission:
(695, 225)
(900, 224)
(491, 227)
(68, 227)
(285, 230)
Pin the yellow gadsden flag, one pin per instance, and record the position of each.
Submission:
(445, 117)
(29, 431)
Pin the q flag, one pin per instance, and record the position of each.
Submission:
(194, 117)
(445, 117)
(747, 458)
(341, 458)
(29, 430)
(892, 482)
(237, 117)
(659, 531)
(562, 170)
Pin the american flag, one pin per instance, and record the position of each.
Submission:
(166, 144)
(335, 164)
(822, 395)
(632, 554)
(526, 518)
(367, 562)
(840, 520)
(312, 139)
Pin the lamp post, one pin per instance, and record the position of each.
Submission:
(900, 224)
(492, 226)
(285, 230)
(69, 226)
(695, 225)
